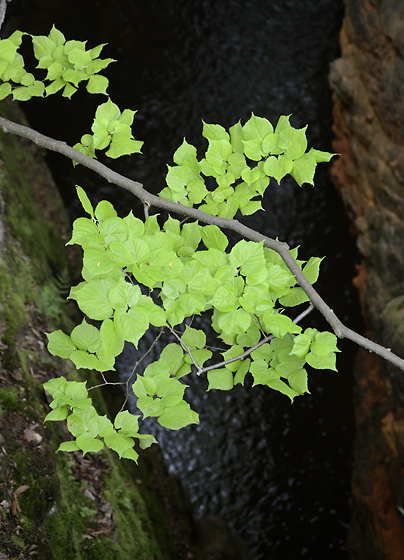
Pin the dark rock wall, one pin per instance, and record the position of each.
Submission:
(368, 85)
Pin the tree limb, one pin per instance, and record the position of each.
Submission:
(149, 199)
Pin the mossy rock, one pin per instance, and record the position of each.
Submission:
(56, 506)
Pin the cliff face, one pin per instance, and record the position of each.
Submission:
(368, 85)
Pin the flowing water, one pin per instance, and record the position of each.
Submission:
(278, 473)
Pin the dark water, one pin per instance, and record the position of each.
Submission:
(277, 473)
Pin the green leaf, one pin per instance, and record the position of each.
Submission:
(127, 423)
(250, 337)
(214, 238)
(145, 441)
(56, 36)
(321, 156)
(86, 337)
(279, 279)
(278, 167)
(253, 149)
(261, 373)
(236, 139)
(16, 37)
(105, 210)
(220, 379)
(131, 325)
(279, 385)
(173, 356)
(121, 444)
(124, 295)
(79, 57)
(301, 345)
(177, 417)
(131, 453)
(214, 132)
(84, 231)
(324, 343)
(256, 127)
(68, 446)
(191, 303)
(194, 338)
(55, 71)
(69, 90)
(82, 359)
(200, 356)
(97, 84)
(85, 201)
(303, 169)
(108, 111)
(112, 344)
(250, 257)
(184, 152)
(178, 177)
(279, 325)
(97, 262)
(87, 443)
(79, 420)
(251, 208)
(295, 296)
(60, 413)
(55, 86)
(225, 299)
(5, 89)
(60, 344)
(100, 426)
(149, 406)
(218, 152)
(92, 297)
(242, 372)
(237, 162)
(170, 390)
(196, 191)
(327, 361)
(270, 145)
(8, 50)
(292, 140)
(121, 145)
(312, 268)
(43, 46)
(234, 322)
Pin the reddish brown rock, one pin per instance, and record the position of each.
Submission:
(368, 84)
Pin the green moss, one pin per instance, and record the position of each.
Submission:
(56, 515)
(18, 541)
(10, 397)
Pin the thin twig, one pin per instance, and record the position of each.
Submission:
(136, 366)
(187, 349)
(247, 352)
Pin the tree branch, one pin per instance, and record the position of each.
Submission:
(149, 199)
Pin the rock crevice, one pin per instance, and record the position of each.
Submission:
(368, 85)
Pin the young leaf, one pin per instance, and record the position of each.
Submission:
(177, 417)
(85, 201)
(220, 379)
(214, 238)
(60, 344)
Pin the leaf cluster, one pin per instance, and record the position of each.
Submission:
(67, 63)
(186, 270)
(242, 161)
(139, 274)
(91, 431)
